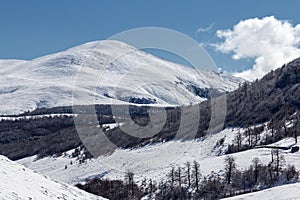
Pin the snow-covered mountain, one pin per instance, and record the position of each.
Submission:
(103, 72)
(19, 182)
(246, 105)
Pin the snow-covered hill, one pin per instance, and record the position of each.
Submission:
(155, 161)
(19, 182)
(151, 161)
(103, 72)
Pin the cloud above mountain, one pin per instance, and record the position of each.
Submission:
(269, 41)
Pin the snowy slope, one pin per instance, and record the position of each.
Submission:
(284, 192)
(18, 182)
(155, 161)
(103, 72)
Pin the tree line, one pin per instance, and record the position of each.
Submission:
(187, 182)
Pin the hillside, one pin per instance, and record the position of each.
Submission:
(274, 97)
(19, 182)
(284, 192)
(261, 116)
(156, 162)
(104, 72)
(273, 100)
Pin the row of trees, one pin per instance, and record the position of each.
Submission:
(188, 183)
(228, 183)
(274, 131)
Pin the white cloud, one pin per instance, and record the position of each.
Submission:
(269, 41)
(204, 29)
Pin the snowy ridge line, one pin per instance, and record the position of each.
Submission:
(80, 76)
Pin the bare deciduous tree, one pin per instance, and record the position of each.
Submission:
(196, 174)
(230, 166)
(188, 173)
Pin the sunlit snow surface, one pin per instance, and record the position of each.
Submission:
(155, 161)
(284, 192)
(19, 182)
(101, 72)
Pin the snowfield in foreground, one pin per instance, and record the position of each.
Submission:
(18, 182)
(284, 192)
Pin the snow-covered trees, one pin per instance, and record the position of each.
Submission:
(230, 166)
(188, 173)
(256, 168)
(277, 161)
(196, 174)
(186, 182)
(130, 183)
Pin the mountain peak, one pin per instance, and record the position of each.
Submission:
(128, 75)
(103, 46)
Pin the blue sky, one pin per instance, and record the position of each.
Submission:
(33, 28)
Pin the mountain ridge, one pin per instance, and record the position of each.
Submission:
(72, 76)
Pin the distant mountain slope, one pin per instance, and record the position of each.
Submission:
(274, 97)
(19, 182)
(136, 77)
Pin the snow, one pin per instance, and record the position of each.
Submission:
(152, 161)
(284, 192)
(111, 125)
(90, 73)
(155, 161)
(18, 182)
(286, 142)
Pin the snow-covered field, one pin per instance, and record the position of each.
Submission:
(19, 182)
(90, 73)
(149, 161)
(155, 161)
(284, 192)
